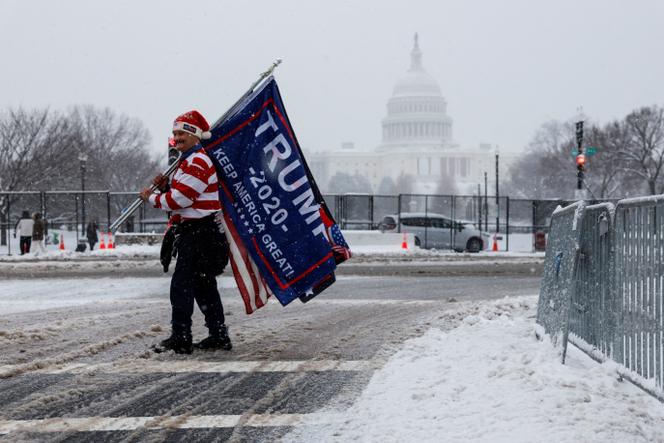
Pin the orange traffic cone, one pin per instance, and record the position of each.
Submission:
(495, 243)
(404, 243)
(110, 241)
(62, 242)
(102, 245)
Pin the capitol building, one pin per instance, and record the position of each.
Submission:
(417, 144)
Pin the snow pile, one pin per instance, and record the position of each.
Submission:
(490, 379)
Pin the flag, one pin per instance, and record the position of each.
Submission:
(284, 240)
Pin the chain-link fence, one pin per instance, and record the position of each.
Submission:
(512, 224)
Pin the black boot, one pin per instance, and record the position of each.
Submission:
(179, 342)
(218, 339)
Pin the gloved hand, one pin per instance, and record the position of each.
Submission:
(167, 248)
(161, 182)
(145, 194)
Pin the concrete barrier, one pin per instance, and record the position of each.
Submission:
(377, 238)
(354, 239)
(138, 238)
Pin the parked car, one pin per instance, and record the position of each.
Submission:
(437, 231)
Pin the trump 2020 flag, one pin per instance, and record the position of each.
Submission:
(283, 238)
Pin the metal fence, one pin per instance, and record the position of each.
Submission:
(71, 209)
(611, 306)
(504, 216)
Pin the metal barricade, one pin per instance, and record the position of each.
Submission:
(560, 267)
(593, 310)
(639, 262)
(615, 293)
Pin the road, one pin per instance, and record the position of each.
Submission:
(86, 373)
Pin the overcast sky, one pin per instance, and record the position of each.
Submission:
(505, 67)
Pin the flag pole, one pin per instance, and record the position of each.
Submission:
(261, 77)
(173, 166)
(139, 201)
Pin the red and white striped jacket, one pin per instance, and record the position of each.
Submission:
(194, 188)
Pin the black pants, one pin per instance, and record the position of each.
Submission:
(25, 243)
(193, 279)
(92, 244)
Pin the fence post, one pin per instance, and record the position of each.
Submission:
(399, 213)
(371, 212)
(9, 227)
(507, 224)
(453, 228)
(76, 197)
(426, 221)
(108, 208)
(343, 211)
(42, 203)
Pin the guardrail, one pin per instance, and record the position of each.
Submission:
(603, 284)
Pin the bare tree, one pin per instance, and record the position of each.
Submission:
(39, 151)
(644, 154)
(116, 146)
(342, 183)
(35, 149)
(546, 170)
(606, 175)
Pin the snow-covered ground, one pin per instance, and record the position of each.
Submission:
(41, 294)
(490, 380)
(477, 375)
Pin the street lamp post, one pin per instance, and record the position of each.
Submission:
(83, 159)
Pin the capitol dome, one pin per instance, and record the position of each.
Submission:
(417, 111)
(416, 81)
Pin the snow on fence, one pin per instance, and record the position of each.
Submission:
(603, 285)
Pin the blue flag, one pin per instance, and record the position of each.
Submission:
(283, 234)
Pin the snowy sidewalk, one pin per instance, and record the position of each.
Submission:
(491, 380)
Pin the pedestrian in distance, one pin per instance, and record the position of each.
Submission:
(38, 233)
(24, 228)
(199, 244)
(91, 233)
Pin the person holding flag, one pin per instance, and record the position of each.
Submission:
(201, 247)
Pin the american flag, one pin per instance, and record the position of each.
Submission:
(339, 245)
(252, 286)
(340, 248)
(253, 289)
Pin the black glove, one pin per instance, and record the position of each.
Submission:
(168, 250)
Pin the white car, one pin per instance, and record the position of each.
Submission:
(437, 231)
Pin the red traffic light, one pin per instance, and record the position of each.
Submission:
(581, 160)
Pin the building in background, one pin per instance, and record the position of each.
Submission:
(417, 153)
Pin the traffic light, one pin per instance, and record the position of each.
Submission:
(580, 161)
(580, 167)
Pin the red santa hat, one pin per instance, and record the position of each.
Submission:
(193, 123)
